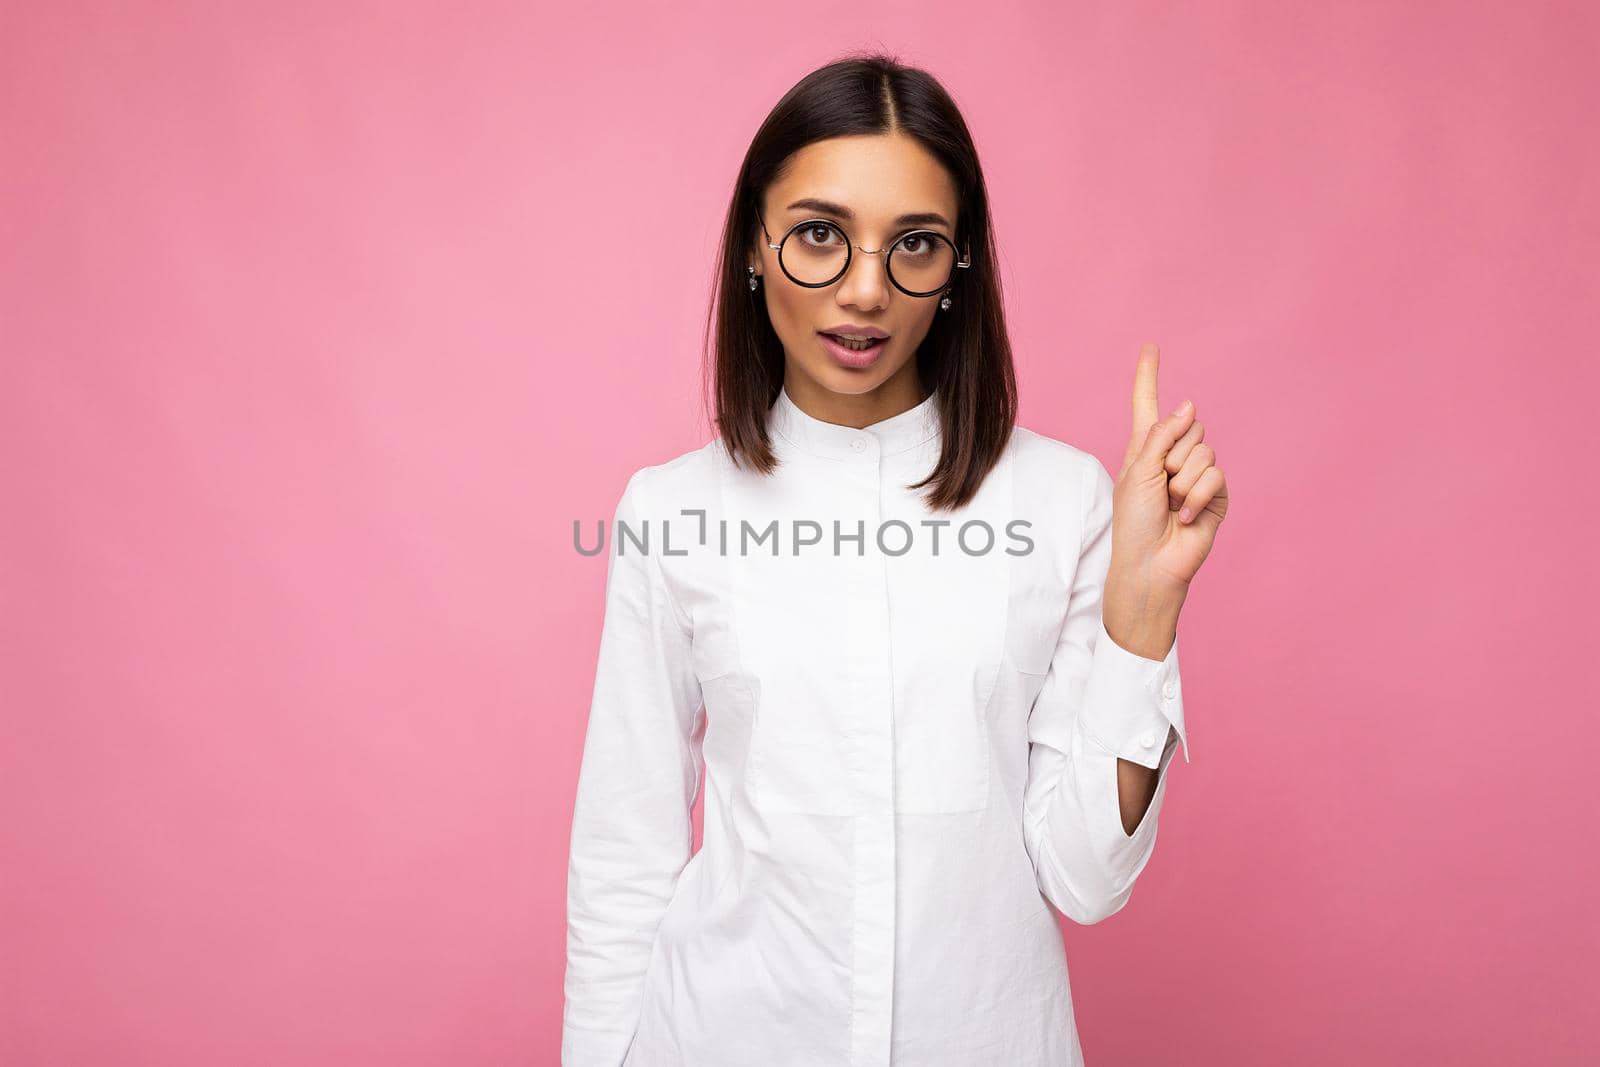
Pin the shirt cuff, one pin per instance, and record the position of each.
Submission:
(1130, 702)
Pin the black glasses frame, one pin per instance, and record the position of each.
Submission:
(850, 246)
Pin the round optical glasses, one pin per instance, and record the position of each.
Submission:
(816, 253)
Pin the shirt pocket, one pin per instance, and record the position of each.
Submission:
(948, 620)
(1036, 611)
(817, 707)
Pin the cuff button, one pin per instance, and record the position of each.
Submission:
(1148, 740)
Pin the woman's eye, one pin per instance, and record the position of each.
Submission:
(916, 244)
(818, 234)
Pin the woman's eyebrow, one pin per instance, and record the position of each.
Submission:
(828, 207)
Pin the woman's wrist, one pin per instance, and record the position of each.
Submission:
(1139, 614)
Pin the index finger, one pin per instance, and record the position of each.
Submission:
(1146, 405)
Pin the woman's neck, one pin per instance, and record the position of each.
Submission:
(900, 392)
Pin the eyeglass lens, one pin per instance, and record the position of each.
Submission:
(817, 253)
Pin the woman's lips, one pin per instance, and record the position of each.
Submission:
(850, 357)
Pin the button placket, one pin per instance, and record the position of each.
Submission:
(873, 925)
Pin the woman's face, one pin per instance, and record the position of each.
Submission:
(864, 184)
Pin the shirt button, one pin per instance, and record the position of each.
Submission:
(1170, 690)
(859, 444)
(1148, 740)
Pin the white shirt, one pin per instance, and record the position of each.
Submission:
(911, 755)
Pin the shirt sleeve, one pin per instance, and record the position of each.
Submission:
(641, 770)
(1099, 702)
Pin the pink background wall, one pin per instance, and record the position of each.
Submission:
(321, 324)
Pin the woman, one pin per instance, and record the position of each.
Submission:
(927, 659)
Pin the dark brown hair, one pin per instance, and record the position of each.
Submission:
(966, 356)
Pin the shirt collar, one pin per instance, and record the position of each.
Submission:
(885, 437)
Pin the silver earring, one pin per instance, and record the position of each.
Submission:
(944, 305)
(753, 281)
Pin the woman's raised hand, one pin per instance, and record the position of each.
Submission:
(1170, 498)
